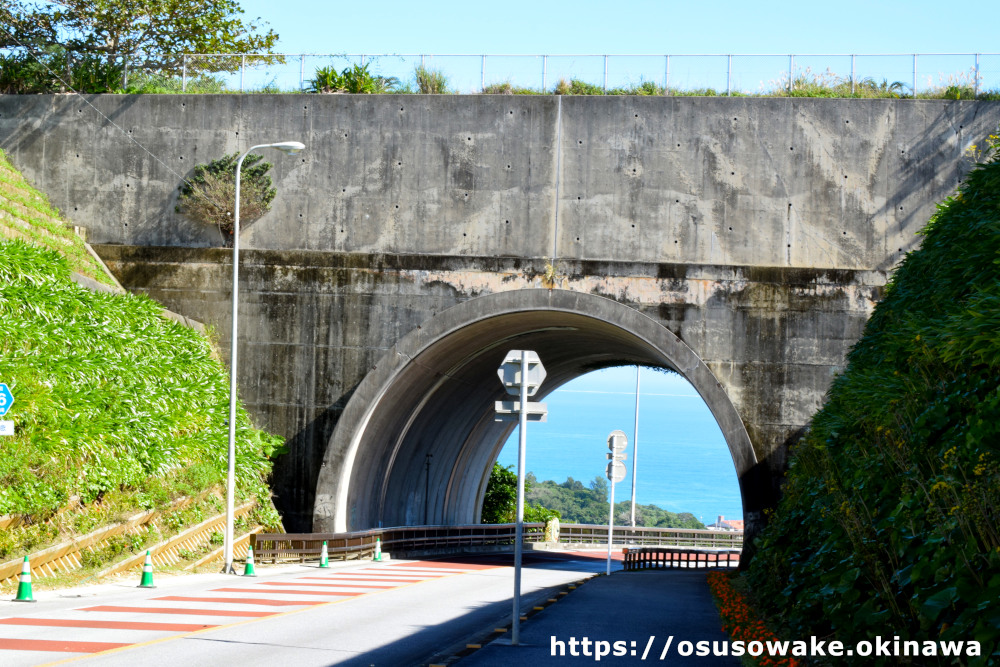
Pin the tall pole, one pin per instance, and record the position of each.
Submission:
(515, 634)
(290, 148)
(635, 443)
(227, 568)
(611, 523)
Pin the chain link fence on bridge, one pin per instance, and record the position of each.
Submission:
(905, 75)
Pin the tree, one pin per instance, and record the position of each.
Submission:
(500, 503)
(153, 34)
(210, 194)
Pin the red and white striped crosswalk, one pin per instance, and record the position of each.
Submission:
(35, 639)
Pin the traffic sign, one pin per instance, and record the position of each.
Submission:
(6, 428)
(6, 398)
(617, 441)
(509, 411)
(510, 372)
(617, 456)
(616, 471)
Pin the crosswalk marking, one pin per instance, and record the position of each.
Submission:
(272, 596)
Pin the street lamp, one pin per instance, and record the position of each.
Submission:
(289, 148)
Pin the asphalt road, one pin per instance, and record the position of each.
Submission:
(390, 613)
(643, 617)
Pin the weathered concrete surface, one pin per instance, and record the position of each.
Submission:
(415, 340)
(740, 241)
(746, 181)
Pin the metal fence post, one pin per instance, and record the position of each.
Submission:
(976, 84)
(302, 72)
(184, 73)
(243, 67)
(482, 74)
(791, 71)
(544, 57)
(362, 60)
(666, 76)
(852, 73)
(914, 76)
(605, 74)
(729, 76)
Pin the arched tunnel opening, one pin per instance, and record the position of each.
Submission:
(682, 464)
(434, 393)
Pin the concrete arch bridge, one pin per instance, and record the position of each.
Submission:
(739, 241)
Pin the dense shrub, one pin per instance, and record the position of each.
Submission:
(890, 520)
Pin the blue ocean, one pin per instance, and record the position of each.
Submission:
(684, 462)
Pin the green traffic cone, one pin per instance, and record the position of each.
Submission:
(147, 572)
(24, 587)
(324, 558)
(378, 549)
(248, 570)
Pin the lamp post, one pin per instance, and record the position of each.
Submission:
(289, 148)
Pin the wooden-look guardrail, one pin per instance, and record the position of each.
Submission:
(274, 547)
(66, 557)
(578, 533)
(646, 558)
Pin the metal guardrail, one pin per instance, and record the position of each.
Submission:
(275, 547)
(732, 72)
(647, 558)
(662, 537)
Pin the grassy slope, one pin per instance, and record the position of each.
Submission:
(116, 408)
(890, 521)
(25, 213)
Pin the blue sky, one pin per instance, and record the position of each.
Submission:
(559, 26)
(555, 27)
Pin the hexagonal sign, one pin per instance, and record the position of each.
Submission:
(510, 372)
(6, 398)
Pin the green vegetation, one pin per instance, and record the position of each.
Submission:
(500, 502)
(116, 409)
(571, 502)
(100, 35)
(26, 213)
(889, 520)
(577, 503)
(207, 196)
(430, 82)
(113, 402)
(354, 79)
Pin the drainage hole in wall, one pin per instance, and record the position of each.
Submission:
(506, 222)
